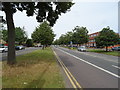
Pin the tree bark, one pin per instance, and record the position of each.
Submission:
(43, 47)
(106, 48)
(11, 59)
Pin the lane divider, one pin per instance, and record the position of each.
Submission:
(115, 75)
(73, 81)
(116, 66)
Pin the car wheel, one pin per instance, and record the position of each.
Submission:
(3, 51)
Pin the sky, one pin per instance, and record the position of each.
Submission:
(92, 15)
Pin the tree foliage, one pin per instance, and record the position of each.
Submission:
(4, 35)
(62, 39)
(65, 38)
(29, 43)
(43, 10)
(43, 34)
(20, 35)
(80, 35)
(56, 42)
(107, 37)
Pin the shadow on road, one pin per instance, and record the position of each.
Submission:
(65, 60)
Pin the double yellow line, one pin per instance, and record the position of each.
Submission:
(73, 81)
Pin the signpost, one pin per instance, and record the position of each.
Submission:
(71, 44)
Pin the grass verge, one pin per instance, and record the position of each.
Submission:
(114, 53)
(74, 48)
(38, 69)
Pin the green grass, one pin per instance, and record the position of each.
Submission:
(74, 48)
(114, 53)
(38, 69)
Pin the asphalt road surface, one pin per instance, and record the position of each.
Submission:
(3, 56)
(91, 70)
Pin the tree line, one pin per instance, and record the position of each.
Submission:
(79, 35)
(42, 34)
(20, 35)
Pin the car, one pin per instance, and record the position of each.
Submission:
(3, 49)
(116, 48)
(82, 48)
(19, 47)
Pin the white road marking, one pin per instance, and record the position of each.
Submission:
(116, 66)
(85, 53)
(115, 75)
(99, 57)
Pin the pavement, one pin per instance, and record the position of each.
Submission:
(3, 56)
(88, 69)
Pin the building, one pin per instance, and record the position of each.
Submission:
(91, 42)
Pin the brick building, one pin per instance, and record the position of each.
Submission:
(91, 42)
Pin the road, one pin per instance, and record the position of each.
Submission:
(3, 56)
(90, 70)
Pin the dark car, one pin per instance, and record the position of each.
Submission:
(116, 48)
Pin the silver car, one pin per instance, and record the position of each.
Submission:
(82, 48)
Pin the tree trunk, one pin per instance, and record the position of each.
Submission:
(11, 59)
(43, 47)
(106, 48)
(77, 45)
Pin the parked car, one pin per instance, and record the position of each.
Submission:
(82, 48)
(116, 48)
(3, 49)
(19, 47)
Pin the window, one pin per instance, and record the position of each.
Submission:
(94, 34)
